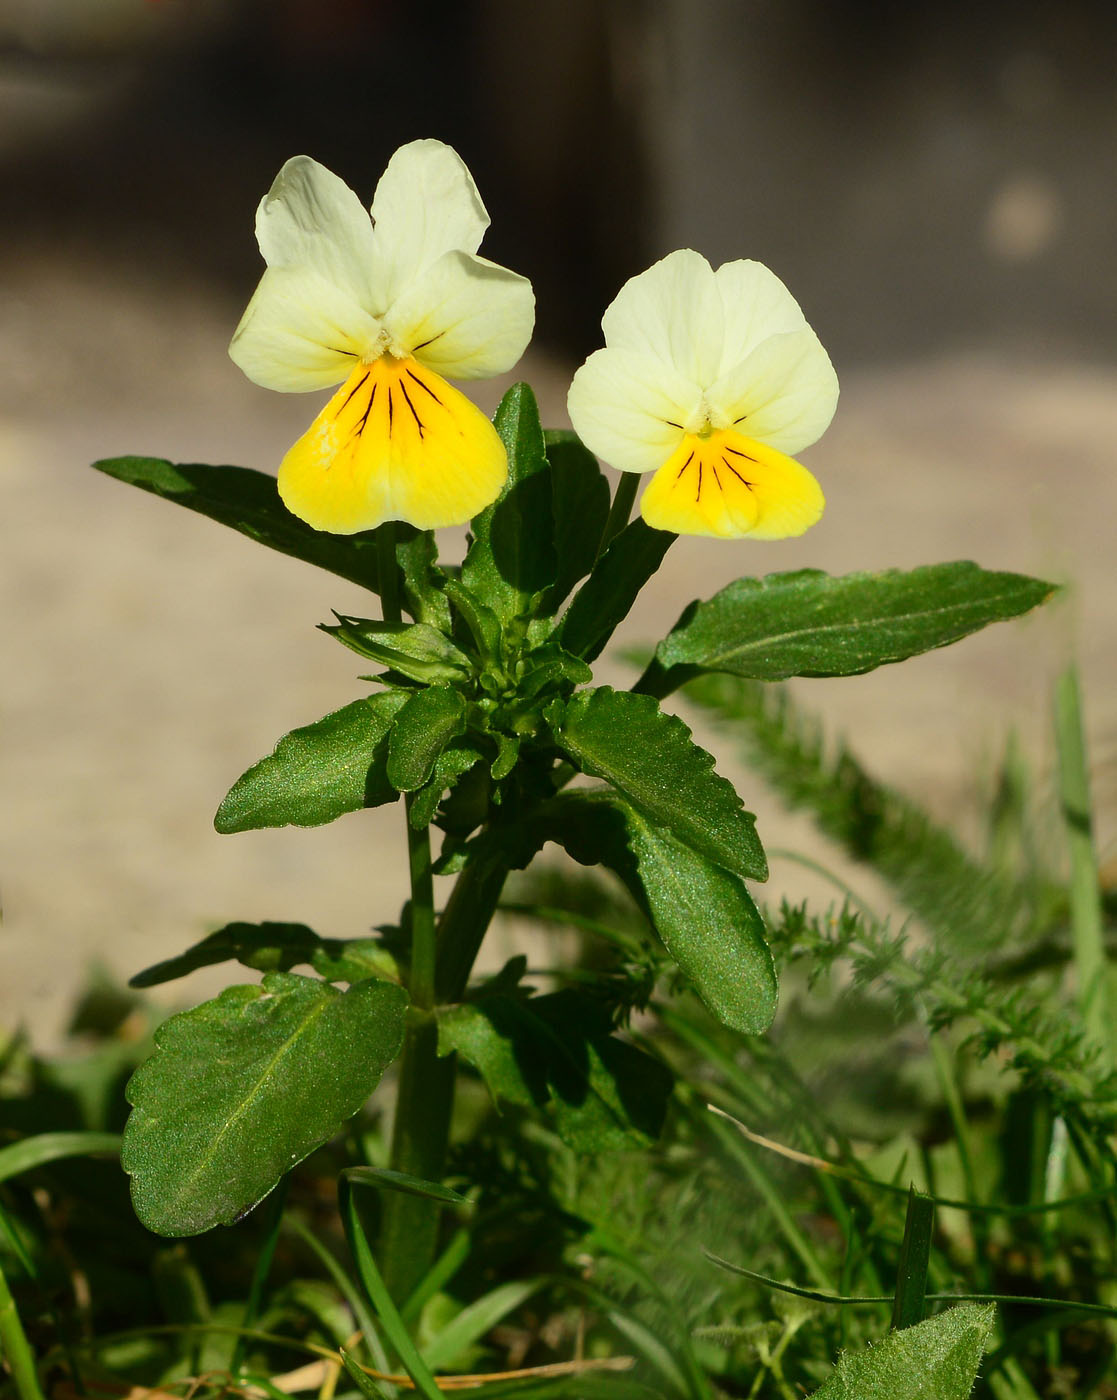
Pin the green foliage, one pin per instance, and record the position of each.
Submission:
(275, 947)
(650, 759)
(580, 1188)
(580, 505)
(558, 1053)
(937, 1360)
(809, 624)
(242, 1088)
(512, 558)
(420, 732)
(248, 502)
(604, 600)
(338, 764)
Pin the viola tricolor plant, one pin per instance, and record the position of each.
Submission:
(482, 708)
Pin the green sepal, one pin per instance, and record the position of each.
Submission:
(511, 561)
(604, 600)
(243, 1087)
(702, 914)
(451, 765)
(414, 649)
(557, 1053)
(317, 773)
(938, 1358)
(811, 624)
(420, 732)
(649, 757)
(580, 501)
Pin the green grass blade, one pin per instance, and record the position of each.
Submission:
(381, 1299)
(16, 1348)
(476, 1320)
(32, 1152)
(1085, 896)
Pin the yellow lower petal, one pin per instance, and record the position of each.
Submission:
(728, 485)
(396, 442)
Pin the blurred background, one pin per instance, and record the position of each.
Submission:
(934, 182)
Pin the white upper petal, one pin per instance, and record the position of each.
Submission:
(425, 205)
(300, 331)
(464, 317)
(784, 393)
(629, 407)
(310, 218)
(673, 312)
(757, 305)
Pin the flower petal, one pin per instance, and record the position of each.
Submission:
(464, 317)
(757, 305)
(311, 218)
(425, 204)
(300, 332)
(784, 393)
(395, 442)
(674, 312)
(729, 486)
(629, 408)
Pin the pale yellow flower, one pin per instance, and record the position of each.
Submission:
(386, 306)
(709, 380)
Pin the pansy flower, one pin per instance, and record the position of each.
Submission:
(386, 307)
(710, 380)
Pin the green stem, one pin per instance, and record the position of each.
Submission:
(442, 959)
(16, 1348)
(620, 510)
(1085, 899)
(388, 572)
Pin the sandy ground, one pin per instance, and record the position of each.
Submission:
(150, 655)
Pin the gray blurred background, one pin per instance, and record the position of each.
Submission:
(934, 182)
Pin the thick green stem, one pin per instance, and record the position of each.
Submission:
(1085, 898)
(620, 510)
(15, 1347)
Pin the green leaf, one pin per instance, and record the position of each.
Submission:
(412, 648)
(512, 558)
(701, 913)
(809, 624)
(267, 947)
(452, 764)
(651, 759)
(243, 1087)
(319, 772)
(422, 729)
(423, 580)
(605, 598)
(275, 947)
(580, 501)
(248, 501)
(557, 1053)
(937, 1360)
(29, 1153)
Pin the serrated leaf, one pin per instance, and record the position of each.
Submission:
(422, 729)
(512, 558)
(557, 1052)
(650, 758)
(248, 502)
(701, 913)
(709, 925)
(604, 600)
(935, 1360)
(413, 649)
(319, 772)
(580, 501)
(243, 1087)
(810, 624)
